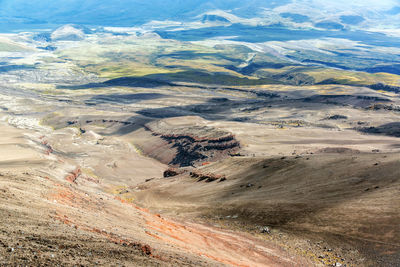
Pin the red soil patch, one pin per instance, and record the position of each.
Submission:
(224, 247)
(48, 147)
(72, 176)
(72, 198)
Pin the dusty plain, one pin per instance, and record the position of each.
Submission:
(142, 151)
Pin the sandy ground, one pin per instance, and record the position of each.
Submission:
(14, 148)
(355, 210)
(68, 220)
(81, 176)
(328, 192)
(318, 184)
(63, 190)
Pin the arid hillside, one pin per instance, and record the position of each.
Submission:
(128, 149)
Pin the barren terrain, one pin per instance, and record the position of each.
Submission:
(141, 151)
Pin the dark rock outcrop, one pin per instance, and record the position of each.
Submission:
(390, 129)
(207, 177)
(337, 117)
(171, 173)
(194, 145)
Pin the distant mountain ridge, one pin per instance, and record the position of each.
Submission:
(337, 15)
(111, 13)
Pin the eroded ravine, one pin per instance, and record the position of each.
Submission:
(217, 245)
(79, 199)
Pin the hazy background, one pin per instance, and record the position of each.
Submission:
(21, 14)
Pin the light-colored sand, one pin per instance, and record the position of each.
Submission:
(15, 149)
(34, 181)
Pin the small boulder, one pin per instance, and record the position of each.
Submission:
(265, 230)
(171, 173)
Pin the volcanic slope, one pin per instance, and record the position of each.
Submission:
(55, 211)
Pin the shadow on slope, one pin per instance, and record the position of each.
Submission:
(340, 198)
(390, 129)
(170, 79)
(218, 108)
(123, 98)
